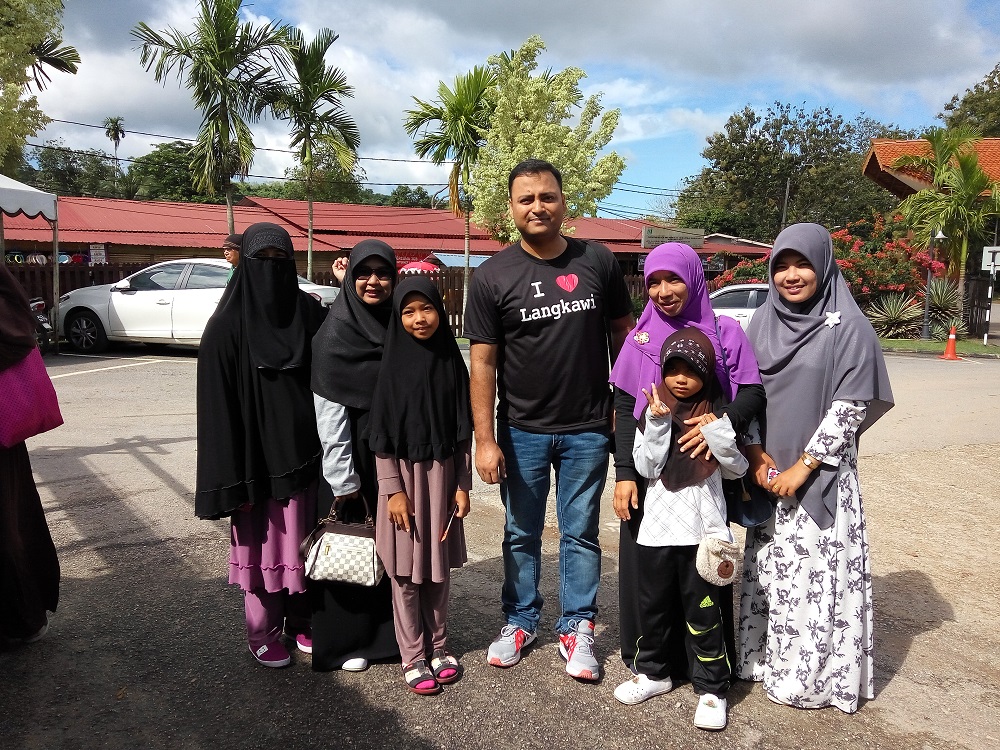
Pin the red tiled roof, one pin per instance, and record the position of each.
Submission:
(903, 182)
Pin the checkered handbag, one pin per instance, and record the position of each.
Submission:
(343, 552)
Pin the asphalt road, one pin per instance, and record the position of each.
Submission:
(147, 649)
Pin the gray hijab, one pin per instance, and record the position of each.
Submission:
(810, 355)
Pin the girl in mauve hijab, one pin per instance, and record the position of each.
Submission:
(678, 299)
(806, 604)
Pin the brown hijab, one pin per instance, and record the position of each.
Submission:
(693, 347)
(17, 324)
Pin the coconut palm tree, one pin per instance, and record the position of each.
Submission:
(229, 66)
(460, 118)
(311, 102)
(961, 200)
(114, 129)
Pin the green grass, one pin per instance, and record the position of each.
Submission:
(962, 346)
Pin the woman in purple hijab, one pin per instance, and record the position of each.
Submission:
(678, 299)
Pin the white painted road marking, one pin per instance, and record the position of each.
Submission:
(102, 369)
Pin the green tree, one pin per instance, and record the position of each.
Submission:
(785, 165)
(229, 66)
(114, 129)
(978, 107)
(311, 102)
(28, 29)
(962, 198)
(165, 174)
(330, 182)
(453, 129)
(64, 171)
(408, 197)
(529, 117)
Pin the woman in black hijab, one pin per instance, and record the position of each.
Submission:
(258, 451)
(352, 625)
(29, 568)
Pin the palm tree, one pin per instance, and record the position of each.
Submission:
(52, 53)
(961, 200)
(310, 101)
(229, 67)
(462, 118)
(114, 129)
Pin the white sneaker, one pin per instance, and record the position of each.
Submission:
(641, 688)
(358, 664)
(711, 712)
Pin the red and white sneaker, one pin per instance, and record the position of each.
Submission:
(505, 651)
(577, 648)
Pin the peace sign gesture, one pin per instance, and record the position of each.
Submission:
(656, 407)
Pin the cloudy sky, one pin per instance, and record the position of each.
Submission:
(674, 68)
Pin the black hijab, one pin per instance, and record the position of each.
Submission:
(347, 350)
(696, 349)
(810, 355)
(256, 423)
(420, 409)
(17, 324)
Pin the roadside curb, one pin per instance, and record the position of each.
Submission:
(918, 353)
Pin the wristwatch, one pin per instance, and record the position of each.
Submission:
(809, 462)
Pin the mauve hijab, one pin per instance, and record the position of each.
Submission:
(812, 354)
(638, 364)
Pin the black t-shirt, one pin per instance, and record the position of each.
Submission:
(549, 319)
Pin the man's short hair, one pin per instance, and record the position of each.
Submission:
(532, 166)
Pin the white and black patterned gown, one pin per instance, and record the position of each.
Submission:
(805, 627)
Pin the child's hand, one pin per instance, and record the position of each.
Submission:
(400, 511)
(464, 506)
(656, 407)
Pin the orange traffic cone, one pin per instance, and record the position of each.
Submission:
(949, 350)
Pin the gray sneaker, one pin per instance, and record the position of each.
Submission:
(505, 651)
(577, 648)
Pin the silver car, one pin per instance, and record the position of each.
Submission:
(167, 303)
(739, 301)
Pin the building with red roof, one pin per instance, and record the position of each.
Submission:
(884, 152)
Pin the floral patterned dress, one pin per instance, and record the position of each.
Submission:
(806, 623)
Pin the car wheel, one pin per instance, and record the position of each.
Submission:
(85, 333)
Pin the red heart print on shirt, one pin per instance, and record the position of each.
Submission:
(568, 282)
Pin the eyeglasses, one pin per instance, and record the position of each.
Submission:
(382, 273)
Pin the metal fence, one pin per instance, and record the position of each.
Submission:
(976, 304)
(37, 280)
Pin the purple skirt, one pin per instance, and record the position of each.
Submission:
(264, 547)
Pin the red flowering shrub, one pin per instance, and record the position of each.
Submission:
(874, 256)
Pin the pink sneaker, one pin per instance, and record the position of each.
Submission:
(304, 642)
(272, 655)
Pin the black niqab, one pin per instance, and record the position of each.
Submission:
(256, 423)
(420, 408)
(347, 351)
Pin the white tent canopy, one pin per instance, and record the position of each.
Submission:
(17, 198)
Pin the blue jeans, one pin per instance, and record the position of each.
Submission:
(580, 460)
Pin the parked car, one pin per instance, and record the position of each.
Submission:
(167, 303)
(739, 301)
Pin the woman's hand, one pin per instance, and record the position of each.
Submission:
(626, 497)
(462, 501)
(788, 481)
(339, 269)
(656, 407)
(760, 463)
(693, 440)
(400, 511)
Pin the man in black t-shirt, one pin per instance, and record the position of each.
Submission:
(541, 315)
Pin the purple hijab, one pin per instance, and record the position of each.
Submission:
(638, 365)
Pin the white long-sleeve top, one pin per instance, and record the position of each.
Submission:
(685, 516)
(334, 428)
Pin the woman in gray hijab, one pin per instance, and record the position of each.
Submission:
(806, 602)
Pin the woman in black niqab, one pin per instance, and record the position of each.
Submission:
(352, 625)
(258, 451)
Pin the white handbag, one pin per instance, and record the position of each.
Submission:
(718, 560)
(343, 552)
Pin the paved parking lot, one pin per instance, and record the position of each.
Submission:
(147, 648)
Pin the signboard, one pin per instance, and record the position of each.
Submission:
(98, 254)
(653, 236)
(991, 258)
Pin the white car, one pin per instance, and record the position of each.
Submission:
(168, 303)
(739, 301)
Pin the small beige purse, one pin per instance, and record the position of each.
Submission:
(717, 560)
